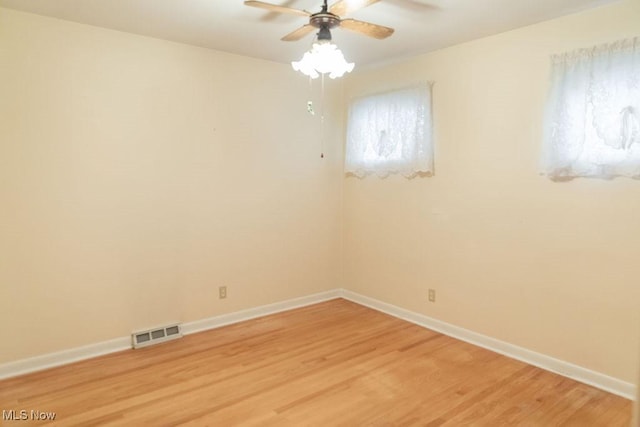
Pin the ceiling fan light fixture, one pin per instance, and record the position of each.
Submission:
(323, 58)
(305, 66)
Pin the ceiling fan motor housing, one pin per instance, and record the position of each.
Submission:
(324, 21)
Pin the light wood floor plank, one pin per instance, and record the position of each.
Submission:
(334, 363)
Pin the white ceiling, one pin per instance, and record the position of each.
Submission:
(228, 25)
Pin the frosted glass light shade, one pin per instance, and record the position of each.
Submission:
(323, 58)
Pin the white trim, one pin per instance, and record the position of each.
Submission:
(252, 313)
(51, 360)
(578, 373)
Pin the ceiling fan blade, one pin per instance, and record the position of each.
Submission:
(299, 33)
(433, 4)
(345, 7)
(366, 28)
(419, 5)
(276, 8)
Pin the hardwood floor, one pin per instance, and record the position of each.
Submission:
(334, 363)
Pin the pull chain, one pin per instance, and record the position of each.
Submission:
(311, 111)
(322, 119)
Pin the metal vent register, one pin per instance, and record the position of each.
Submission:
(156, 335)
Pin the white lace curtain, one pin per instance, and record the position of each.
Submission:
(391, 133)
(592, 123)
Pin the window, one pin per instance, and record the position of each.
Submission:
(391, 133)
(592, 123)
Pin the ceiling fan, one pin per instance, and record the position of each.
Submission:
(328, 18)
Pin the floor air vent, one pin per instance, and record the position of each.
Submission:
(155, 336)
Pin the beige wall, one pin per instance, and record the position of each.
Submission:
(635, 422)
(552, 267)
(138, 175)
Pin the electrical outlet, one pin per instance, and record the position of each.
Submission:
(432, 295)
(222, 292)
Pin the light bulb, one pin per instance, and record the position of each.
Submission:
(323, 58)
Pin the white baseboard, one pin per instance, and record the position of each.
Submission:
(587, 376)
(51, 360)
(252, 313)
(578, 373)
